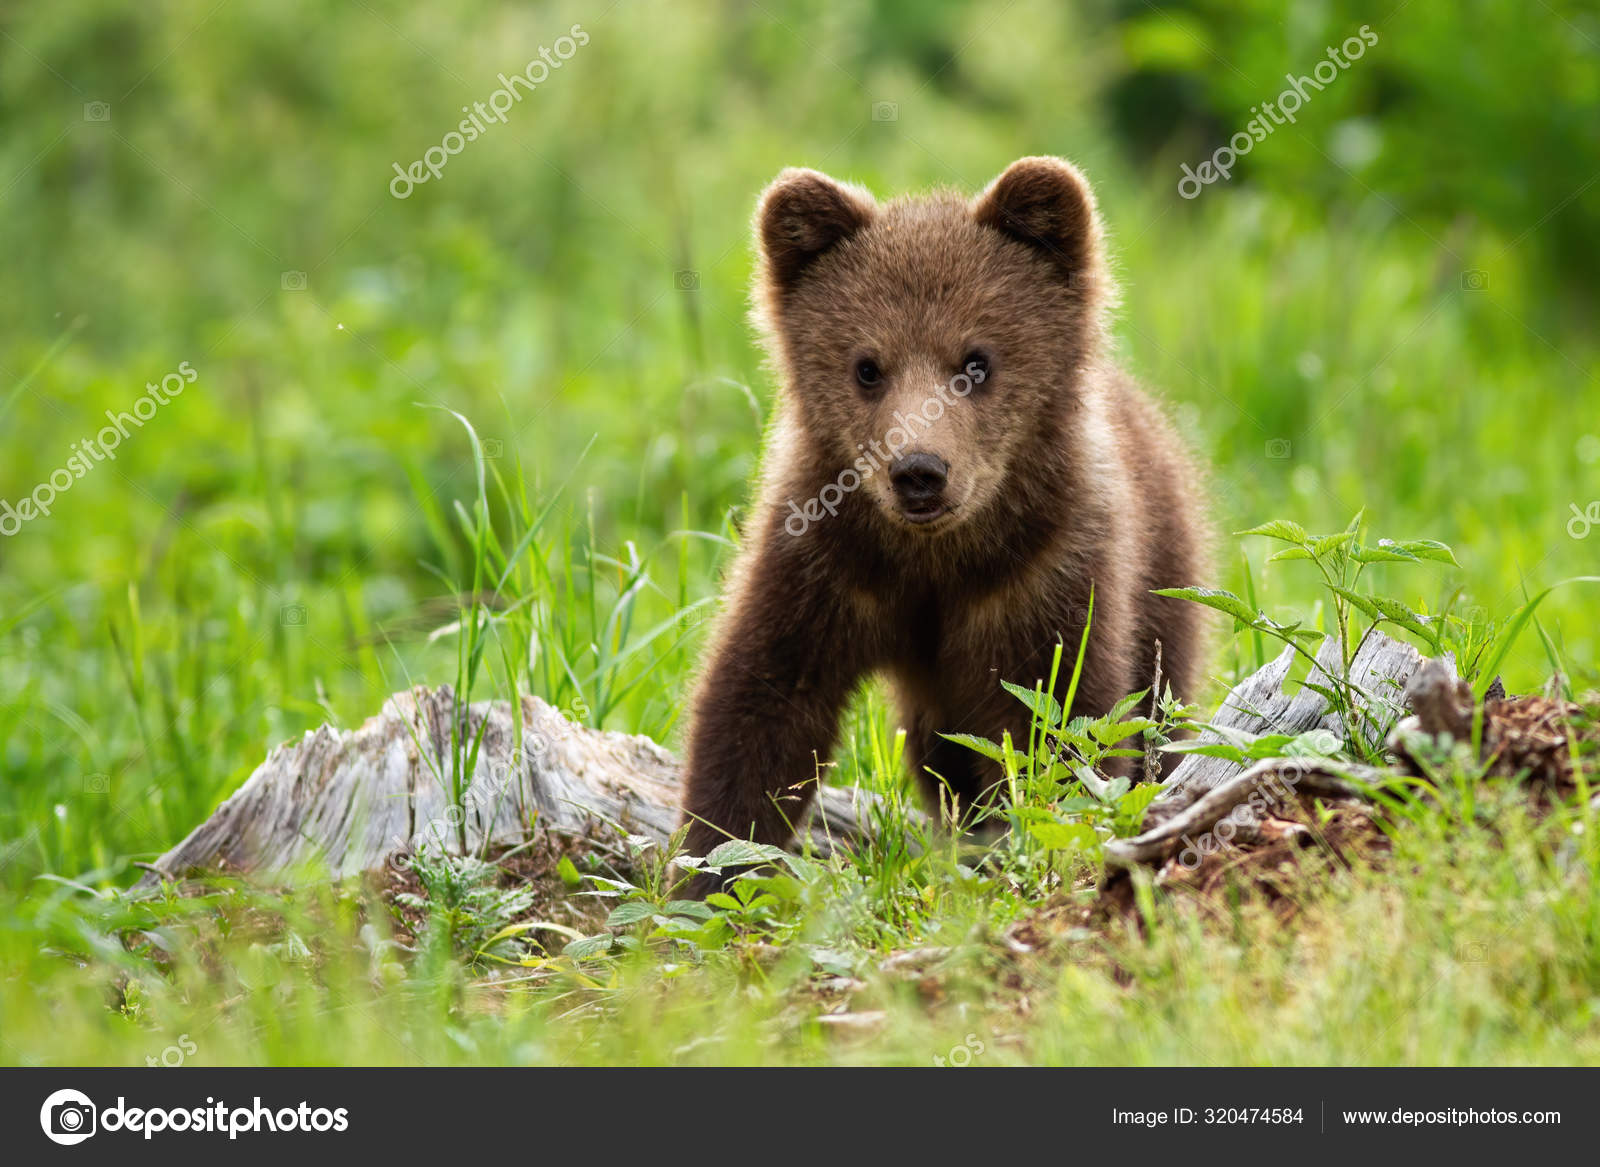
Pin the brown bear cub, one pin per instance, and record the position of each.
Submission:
(954, 465)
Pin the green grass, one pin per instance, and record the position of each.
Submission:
(279, 545)
(1480, 952)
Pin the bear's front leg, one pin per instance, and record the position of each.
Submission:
(766, 713)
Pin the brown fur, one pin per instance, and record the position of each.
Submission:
(1062, 475)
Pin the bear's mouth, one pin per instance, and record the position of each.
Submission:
(923, 513)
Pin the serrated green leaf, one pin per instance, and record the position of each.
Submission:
(1330, 544)
(1429, 549)
(1108, 732)
(1031, 814)
(630, 913)
(1207, 750)
(1131, 807)
(1282, 529)
(1382, 607)
(1116, 731)
(743, 853)
(981, 745)
(1395, 610)
(589, 947)
(1077, 804)
(1316, 743)
(617, 886)
(1222, 601)
(1124, 707)
(1361, 603)
(1381, 554)
(1289, 553)
(677, 926)
(687, 908)
(1269, 745)
(1042, 705)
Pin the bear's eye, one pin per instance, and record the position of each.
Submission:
(976, 365)
(868, 375)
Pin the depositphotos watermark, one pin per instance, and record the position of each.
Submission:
(873, 457)
(481, 115)
(1584, 521)
(70, 1116)
(86, 454)
(173, 1056)
(961, 1055)
(1267, 119)
(1275, 792)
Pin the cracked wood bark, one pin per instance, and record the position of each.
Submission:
(345, 801)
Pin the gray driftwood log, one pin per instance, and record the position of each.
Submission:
(347, 801)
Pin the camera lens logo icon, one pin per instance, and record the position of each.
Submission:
(68, 1117)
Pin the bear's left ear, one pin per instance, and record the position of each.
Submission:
(1045, 203)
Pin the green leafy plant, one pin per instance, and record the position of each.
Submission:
(651, 913)
(1058, 799)
(467, 911)
(1340, 558)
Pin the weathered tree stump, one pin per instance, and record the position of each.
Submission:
(345, 802)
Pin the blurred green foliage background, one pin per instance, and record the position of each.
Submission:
(1390, 305)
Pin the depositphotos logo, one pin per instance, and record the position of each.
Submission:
(69, 1116)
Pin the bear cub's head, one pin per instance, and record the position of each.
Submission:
(931, 347)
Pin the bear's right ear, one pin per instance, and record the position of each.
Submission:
(802, 214)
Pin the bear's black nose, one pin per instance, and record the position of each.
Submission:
(919, 479)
